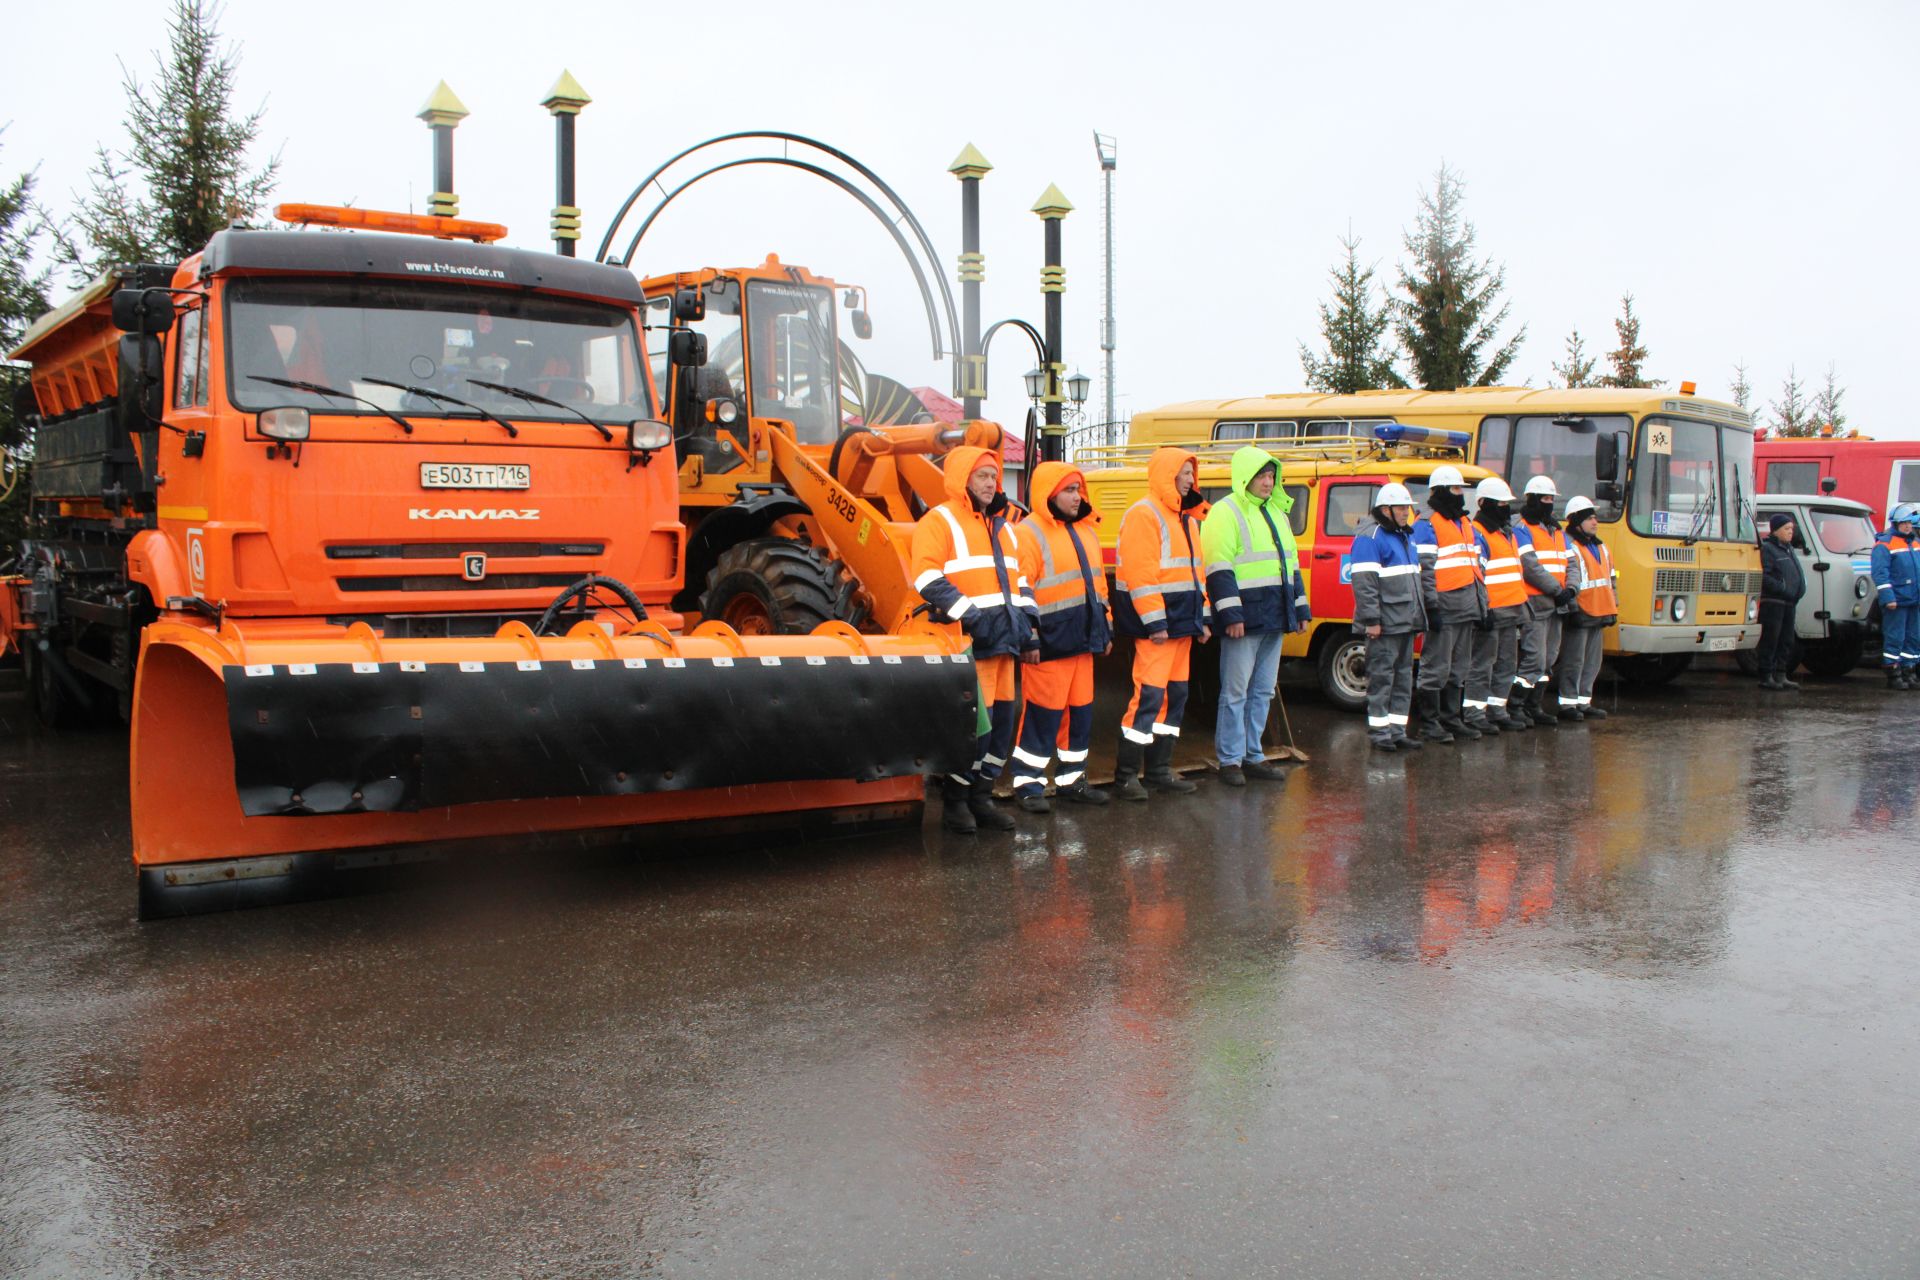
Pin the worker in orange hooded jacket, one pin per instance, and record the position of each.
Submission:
(1060, 556)
(966, 566)
(1160, 599)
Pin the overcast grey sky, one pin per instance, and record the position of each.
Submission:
(1745, 170)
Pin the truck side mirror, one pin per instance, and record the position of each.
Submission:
(862, 324)
(688, 305)
(687, 349)
(1606, 457)
(143, 310)
(138, 407)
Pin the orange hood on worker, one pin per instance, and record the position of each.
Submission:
(1162, 470)
(961, 464)
(1048, 479)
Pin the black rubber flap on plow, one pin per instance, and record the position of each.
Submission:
(345, 738)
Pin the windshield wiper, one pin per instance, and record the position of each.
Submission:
(1700, 521)
(444, 398)
(534, 397)
(318, 390)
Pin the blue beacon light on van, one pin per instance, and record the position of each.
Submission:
(1434, 437)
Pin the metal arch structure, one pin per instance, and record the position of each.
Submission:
(1033, 336)
(945, 342)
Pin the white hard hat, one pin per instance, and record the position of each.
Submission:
(1445, 476)
(1543, 484)
(1492, 488)
(1393, 495)
(1577, 506)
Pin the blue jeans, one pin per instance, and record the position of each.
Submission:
(1249, 668)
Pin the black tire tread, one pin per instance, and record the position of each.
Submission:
(805, 585)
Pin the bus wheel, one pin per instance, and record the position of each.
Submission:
(1748, 660)
(1649, 669)
(1343, 671)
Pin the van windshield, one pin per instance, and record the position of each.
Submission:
(1842, 532)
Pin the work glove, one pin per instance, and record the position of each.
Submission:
(1484, 623)
(1565, 597)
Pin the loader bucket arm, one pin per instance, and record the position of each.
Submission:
(875, 548)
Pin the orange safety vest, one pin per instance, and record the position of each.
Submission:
(1457, 563)
(1505, 585)
(1597, 598)
(1550, 549)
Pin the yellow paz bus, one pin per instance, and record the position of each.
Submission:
(1670, 474)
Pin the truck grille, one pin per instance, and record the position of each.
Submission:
(454, 582)
(454, 550)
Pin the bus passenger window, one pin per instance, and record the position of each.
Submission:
(1495, 433)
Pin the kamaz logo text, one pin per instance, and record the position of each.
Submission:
(473, 513)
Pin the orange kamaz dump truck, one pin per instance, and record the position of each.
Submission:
(369, 528)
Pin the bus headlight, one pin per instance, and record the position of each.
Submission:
(1753, 609)
(1679, 608)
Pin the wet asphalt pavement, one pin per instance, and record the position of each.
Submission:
(1626, 999)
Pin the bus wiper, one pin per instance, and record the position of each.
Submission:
(534, 397)
(318, 390)
(444, 398)
(1700, 520)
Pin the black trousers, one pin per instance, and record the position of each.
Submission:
(1776, 637)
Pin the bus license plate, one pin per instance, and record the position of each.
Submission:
(1721, 644)
(476, 475)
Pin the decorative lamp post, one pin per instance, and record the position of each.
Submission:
(971, 375)
(443, 114)
(564, 100)
(1036, 385)
(1052, 207)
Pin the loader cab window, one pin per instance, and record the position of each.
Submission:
(792, 358)
(345, 334)
(722, 377)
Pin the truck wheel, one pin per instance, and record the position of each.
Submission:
(780, 586)
(1650, 669)
(1343, 671)
(1833, 658)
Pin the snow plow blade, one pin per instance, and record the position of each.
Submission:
(253, 743)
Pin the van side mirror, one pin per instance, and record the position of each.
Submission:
(688, 305)
(142, 310)
(1606, 456)
(687, 349)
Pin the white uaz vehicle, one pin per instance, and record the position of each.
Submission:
(1833, 537)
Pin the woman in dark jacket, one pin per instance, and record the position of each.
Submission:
(1782, 584)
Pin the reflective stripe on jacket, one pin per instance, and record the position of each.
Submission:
(1896, 568)
(1598, 600)
(1450, 584)
(967, 566)
(1253, 568)
(1156, 573)
(1386, 582)
(1063, 564)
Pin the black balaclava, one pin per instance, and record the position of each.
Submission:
(1383, 516)
(1493, 515)
(1446, 502)
(1192, 498)
(1063, 517)
(994, 508)
(1538, 509)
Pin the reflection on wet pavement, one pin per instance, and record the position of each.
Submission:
(1629, 998)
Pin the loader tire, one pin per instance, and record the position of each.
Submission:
(780, 586)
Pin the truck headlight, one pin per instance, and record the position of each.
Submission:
(285, 424)
(649, 433)
(1679, 610)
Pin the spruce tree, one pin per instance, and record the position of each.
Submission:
(1355, 333)
(1826, 406)
(1742, 390)
(1577, 371)
(1792, 415)
(23, 297)
(184, 173)
(1627, 360)
(1450, 316)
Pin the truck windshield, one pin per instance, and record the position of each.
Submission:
(350, 333)
(791, 358)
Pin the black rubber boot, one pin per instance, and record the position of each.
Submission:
(954, 813)
(1160, 775)
(1503, 719)
(1451, 716)
(1540, 704)
(985, 812)
(1591, 712)
(1127, 768)
(1433, 726)
(1895, 678)
(1081, 793)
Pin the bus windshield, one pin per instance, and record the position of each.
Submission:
(791, 358)
(1692, 480)
(1563, 447)
(345, 333)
